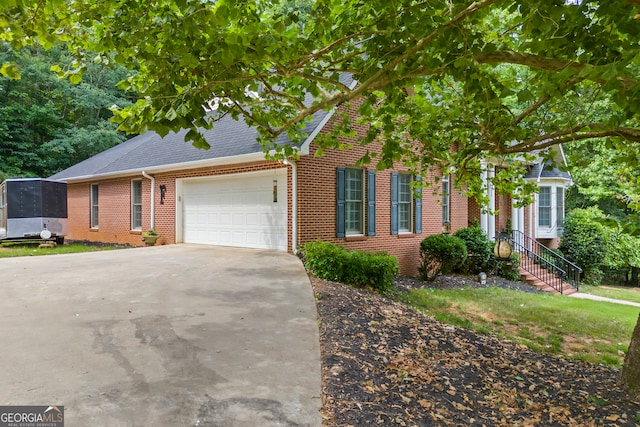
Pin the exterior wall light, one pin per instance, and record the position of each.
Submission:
(502, 249)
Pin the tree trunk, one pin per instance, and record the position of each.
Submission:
(630, 378)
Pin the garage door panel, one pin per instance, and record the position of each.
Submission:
(239, 211)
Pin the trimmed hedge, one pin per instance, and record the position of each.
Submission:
(356, 268)
(441, 254)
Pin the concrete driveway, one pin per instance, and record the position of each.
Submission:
(179, 335)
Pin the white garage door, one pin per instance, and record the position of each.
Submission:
(237, 210)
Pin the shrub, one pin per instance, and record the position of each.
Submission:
(583, 242)
(362, 269)
(325, 260)
(441, 254)
(479, 249)
(507, 268)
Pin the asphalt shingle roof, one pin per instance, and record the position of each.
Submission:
(227, 138)
(546, 170)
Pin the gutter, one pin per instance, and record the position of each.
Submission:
(243, 158)
(294, 204)
(153, 199)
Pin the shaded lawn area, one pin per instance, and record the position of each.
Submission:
(587, 330)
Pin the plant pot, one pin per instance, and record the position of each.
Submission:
(150, 240)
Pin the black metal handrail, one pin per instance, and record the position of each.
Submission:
(545, 263)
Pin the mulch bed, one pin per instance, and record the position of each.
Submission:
(385, 364)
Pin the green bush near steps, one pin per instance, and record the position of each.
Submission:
(441, 254)
(356, 268)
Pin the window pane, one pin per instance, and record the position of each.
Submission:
(404, 217)
(353, 218)
(404, 189)
(544, 198)
(137, 192)
(544, 207)
(560, 206)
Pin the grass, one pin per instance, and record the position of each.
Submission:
(592, 331)
(615, 292)
(8, 250)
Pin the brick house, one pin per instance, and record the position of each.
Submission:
(231, 195)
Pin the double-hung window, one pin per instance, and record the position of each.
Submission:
(354, 191)
(544, 207)
(405, 203)
(406, 210)
(446, 191)
(355, 202)
(94, 206)
(136, 204)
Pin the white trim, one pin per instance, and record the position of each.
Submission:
(491, 229)
(231, 160)
(294, 204)
(304, 148)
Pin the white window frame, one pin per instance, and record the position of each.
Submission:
(547, 207)
(446, 199)
(405, 203)
(136, 204)
(94, 210)
(554, 210)
(351, 202)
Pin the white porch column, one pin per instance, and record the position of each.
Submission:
(491, 229)
(515, 218)
(484, 216)
(521, 219)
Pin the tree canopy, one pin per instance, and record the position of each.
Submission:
(439, 82)
(48, 124)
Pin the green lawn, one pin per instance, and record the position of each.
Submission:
(615, 292)
(594, 331)
(10, 250)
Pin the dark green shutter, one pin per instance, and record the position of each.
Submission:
(340, 202)
(418, 204)
(371, 203)
(394, 203)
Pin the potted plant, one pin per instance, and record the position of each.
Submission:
(149, 237)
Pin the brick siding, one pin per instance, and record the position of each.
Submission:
(317, 205)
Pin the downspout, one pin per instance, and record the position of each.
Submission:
(153, 199)
(294, 204)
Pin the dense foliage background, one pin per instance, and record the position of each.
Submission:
(47, 123)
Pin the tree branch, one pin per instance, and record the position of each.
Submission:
(544, 63)
(574, 134)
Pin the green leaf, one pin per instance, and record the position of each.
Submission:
(10, 70)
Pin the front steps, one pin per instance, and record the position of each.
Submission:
(542, 279)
